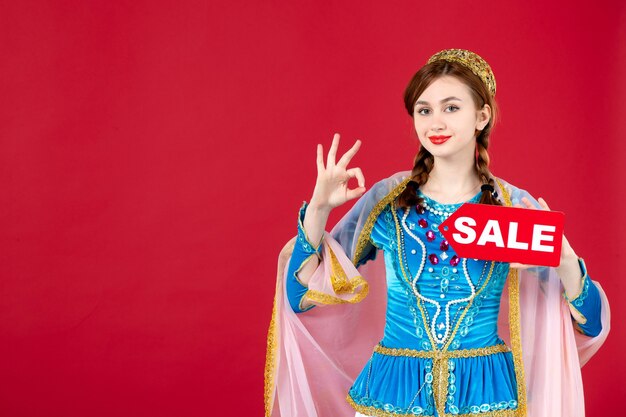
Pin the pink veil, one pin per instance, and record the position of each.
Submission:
(313, 358)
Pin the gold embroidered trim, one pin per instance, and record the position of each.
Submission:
(338, 277)
(377, 412)
(505, 194)
(441, 373)
(515, 324)
(497, 413)
(323, 298)
(341, 285)
(436, 354)
(584, 319)
(364, 236)
(270, 362)
(582, 287)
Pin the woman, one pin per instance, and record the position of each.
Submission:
(450, 336)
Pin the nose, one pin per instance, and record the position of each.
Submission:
(437, 123)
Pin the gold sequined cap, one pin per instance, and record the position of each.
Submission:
(472, 61)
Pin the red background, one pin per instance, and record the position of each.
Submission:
(154, 155)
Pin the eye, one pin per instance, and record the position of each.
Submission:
(423, 111)
(453, 107)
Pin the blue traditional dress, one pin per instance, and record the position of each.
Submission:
(435, 299)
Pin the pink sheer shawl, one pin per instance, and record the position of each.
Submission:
(314, 357)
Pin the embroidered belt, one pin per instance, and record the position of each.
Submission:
(438, 354)
(441, 370)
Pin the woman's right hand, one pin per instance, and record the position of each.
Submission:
(331, 188)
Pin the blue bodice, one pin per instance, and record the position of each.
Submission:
(450, 291)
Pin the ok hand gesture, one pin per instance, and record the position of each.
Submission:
(331, 188)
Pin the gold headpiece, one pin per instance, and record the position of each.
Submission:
(472, 61)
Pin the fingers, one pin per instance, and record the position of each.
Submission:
(521, 266)
(330, 162)
(345, 159)
(320, 158)
(527, 203)
(358, 174)
(356, 193)
(543, 203)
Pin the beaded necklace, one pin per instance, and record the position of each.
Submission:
(441, 213)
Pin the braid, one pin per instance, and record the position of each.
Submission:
(422, 166)
(482, 166)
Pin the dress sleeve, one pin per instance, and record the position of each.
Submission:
(588, 304)
(303, 251)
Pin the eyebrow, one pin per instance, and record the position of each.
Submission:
(442, 101)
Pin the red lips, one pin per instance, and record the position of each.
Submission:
(438, 140)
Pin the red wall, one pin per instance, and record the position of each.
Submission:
(154, 154)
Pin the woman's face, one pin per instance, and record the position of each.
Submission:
(446, 119)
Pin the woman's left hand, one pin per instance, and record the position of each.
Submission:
(566, 249)
(568, 270)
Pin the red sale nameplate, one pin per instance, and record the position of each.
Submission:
(506, 234)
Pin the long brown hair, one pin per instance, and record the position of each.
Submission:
(424, 160)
